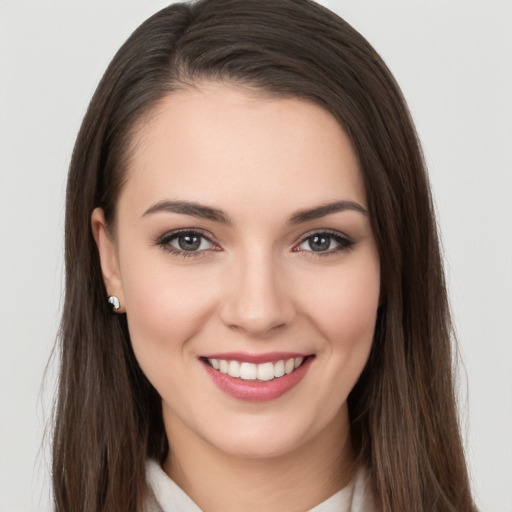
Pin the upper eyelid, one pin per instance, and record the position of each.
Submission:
(346, 242)
(332, 232)
(177, 232)
(165, 242)
(169, 235)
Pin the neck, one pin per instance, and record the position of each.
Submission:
(297, 480)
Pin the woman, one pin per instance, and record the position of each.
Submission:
(247, 192)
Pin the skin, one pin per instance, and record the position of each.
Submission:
(257, 287)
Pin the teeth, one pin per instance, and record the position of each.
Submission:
(248, 371)
(279, 369)
(223, 366)
(234, 369)
(265, 371)
(251, 371)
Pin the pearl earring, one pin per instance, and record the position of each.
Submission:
(114, 302)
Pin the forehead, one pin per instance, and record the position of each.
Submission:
(220, 143)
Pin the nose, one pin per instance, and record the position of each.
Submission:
(259, 297)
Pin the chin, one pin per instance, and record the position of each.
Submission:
(261, 440)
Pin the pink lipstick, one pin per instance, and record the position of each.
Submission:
(256, 377)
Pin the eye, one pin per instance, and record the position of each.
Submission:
(186, 243)
(190, 242)
(324, 242)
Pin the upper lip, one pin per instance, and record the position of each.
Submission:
(268, 357)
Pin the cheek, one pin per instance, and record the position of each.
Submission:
(345, 305)
(165, 305)
(349, 316)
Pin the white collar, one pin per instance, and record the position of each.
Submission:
(167, 496)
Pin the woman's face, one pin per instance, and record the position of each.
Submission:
(242, 245)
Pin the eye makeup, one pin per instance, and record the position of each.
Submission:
(324, 243)
(194, 243)
(186, 243)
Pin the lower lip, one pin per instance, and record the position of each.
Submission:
(257, 391)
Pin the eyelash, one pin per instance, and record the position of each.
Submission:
(344, 243)
(164, 241)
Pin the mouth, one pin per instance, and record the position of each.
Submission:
(256, 378)
(263, 372)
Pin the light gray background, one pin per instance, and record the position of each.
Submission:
(453, 59)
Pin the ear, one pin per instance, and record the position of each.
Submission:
(108, 257)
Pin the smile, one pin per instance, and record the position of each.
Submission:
(257, 378)
(250, 371)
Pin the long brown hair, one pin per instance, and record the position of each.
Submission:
(108, 417)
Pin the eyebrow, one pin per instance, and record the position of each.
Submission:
(189, 208)
(326, 209)
(207, 212)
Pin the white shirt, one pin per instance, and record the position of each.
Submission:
(167, 496)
